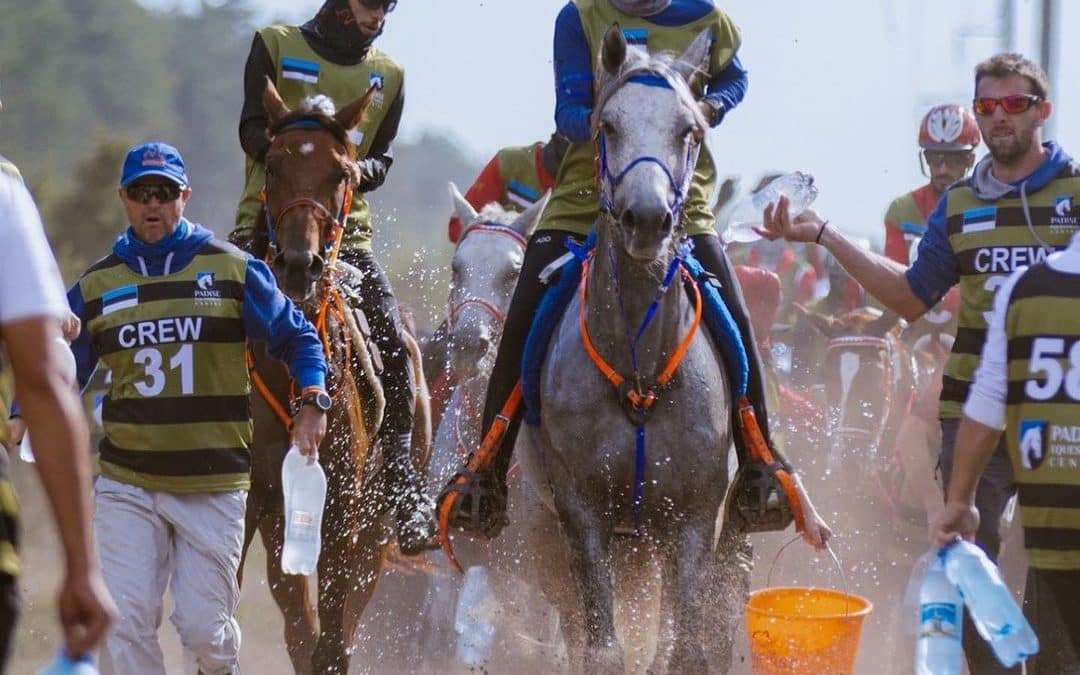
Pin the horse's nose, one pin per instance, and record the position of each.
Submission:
(468, 346)
(647, 217)
(297, 271)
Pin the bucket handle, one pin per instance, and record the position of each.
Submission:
(836, 563)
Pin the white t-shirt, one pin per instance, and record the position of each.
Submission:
(30, 283)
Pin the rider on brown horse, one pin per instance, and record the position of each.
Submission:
(332, 55)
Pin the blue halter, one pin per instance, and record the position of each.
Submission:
(610, 182)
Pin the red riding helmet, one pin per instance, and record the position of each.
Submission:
(949, 127)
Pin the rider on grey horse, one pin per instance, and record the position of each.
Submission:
(333, 55)
(656, 25)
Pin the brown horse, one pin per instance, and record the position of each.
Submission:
(311, 171)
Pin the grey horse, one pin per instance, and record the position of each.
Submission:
(581, 460)
(484, 269)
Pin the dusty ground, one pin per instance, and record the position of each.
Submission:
(389, 647)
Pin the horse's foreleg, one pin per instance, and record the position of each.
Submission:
(692, 567)
(251, 525)
(290, 592)
(364, 572)
(588, 547)
(335, 579)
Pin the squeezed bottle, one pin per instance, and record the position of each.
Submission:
(938, 650)
(65, 665)
(993, 609)
(304, 485)
(746, 213)
(473, 621)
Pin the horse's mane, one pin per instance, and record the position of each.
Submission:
(638, 62)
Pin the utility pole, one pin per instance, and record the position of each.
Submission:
(1048, 51)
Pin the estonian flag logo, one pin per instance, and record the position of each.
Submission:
(119, 298)
(979, 220)
(521, 194)
(297, 69)
(636, 37)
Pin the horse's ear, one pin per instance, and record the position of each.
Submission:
(725, 194)
(826, 325)
(693, 59)
(530, 217)
(462, 209)
(350, 116)
(613, 49)
(881, 326)
(273, 103)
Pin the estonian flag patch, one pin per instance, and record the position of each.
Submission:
(978, 220)
(120, 298)
(636, 37)
(521, 194)
(298, 69)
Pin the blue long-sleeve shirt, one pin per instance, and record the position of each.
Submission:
(936, 269)
(267, 314)
(574, 67)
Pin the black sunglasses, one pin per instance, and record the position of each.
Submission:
(387, 5)
(163, 192)
(1014, 105)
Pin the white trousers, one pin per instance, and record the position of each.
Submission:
(145, 539)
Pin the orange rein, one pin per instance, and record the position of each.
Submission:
(638, 399)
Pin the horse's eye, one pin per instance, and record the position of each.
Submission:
(609, 129)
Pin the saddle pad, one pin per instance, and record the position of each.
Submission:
(717, 317)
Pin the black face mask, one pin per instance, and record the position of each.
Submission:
(334, 34)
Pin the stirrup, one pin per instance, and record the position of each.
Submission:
(481, 502)
(757, 501)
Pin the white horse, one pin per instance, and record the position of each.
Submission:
(584, 463)
(484, 270)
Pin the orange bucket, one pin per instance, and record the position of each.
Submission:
(804, 631)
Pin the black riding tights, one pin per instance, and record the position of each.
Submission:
(544, 247)
(381, 309)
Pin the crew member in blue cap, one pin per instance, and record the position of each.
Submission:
(169, 311)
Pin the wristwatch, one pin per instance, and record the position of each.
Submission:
(318, 398)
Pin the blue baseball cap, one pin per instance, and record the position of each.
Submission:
(155, 158)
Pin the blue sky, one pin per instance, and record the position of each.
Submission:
(840, 97)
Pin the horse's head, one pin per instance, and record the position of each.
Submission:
(310, 174)
(864, 363)
(485, 269)
(648, 130)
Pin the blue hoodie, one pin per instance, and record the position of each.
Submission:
(574, 67)
(268, 315)
(936, 269)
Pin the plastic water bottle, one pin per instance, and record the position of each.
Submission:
(472, 619)
(941, 611)
(745, 214)
(65, 665)
(304, 485)
(990, 603)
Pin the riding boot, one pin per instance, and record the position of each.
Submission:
(482, 499)
(760, 503)
(414, 510)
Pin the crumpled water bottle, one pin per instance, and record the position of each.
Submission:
(304, 485)
(473, 620)
(938, 650)
(65, 665)
(745, 214)
(993, 609)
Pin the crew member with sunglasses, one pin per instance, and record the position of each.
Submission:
(1021, 203)
(948, 136)
(332, 55)
(169, 312)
